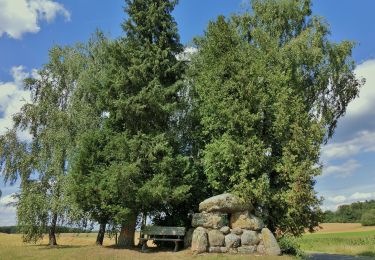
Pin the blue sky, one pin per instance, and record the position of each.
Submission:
(28, 28)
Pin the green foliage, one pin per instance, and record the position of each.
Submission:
(40, 163)
(349, 213)
(269, 88)
(8, 229)
(290, 245)
(132, 160)
(368, 218)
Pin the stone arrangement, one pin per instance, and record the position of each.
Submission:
(226, 225)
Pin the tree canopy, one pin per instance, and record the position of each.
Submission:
(270, 88)
(124, 129)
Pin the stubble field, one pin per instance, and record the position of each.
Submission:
(72, 246)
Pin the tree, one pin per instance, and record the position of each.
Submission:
(41, 162)
(368, 218)
(270, 88)
(131, 162)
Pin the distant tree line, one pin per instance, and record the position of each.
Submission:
(357, 212)
(124, 130)
(59, 229)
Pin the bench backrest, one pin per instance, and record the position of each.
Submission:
(163, 231)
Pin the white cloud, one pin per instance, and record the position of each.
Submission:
(362, 142)
(12, 98)
(337, 199)
(187, 54)
(356, 130)
(333, 202)
(365, 103)
(343, 170)
(6, 200)
(23, 16)
(8, 212)
(362, 196)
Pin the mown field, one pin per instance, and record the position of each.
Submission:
(348, 239)
(82, 247)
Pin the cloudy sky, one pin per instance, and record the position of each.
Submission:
(28, 28)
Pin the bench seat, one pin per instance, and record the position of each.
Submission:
(160, 233)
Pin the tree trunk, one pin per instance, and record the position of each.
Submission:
(101, 233)
(52, 231)
(126, 238)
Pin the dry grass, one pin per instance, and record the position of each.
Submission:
(72, 246)
(343, 227)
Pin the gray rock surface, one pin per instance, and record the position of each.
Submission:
(209, 220)
(271, 246)
(218, 249)
(237, 231)
(226, 203)
(246, 249)
(225, 230)
(232, 241)
(199, 243)
(249, 238)
(245, 220)
(215, 238)
(261, 249)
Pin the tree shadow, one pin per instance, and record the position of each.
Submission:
(150, 250)
(367, 253)
(47, 247)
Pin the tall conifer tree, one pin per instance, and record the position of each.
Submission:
(138, 168)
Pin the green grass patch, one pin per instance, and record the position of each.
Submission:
(350, 243)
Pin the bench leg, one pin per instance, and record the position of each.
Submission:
(144, 245)
(176, 246)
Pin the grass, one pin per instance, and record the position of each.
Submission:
(348, 240)
(72, 246)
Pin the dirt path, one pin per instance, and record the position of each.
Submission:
(321, 256)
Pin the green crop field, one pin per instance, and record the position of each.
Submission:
(349, 243)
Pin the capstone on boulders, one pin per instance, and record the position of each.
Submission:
(226, 203)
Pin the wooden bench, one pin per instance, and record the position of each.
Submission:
(159, 233)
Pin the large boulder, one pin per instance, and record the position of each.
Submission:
(271, 246)
(232, 241)
(209, 220)
(215, 238)
(237, 231)
(246, 249)
(218, 249)
(188, 237)
(261, 250)
(226, 203)
(245, 220)
(225, 230)
(199, 243)
(249, 238)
